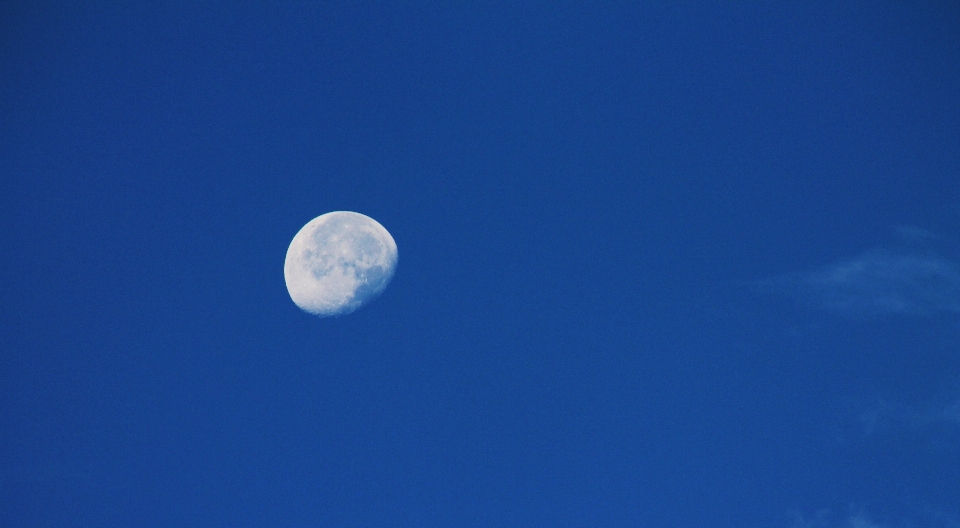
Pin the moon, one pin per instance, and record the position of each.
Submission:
(338, 262)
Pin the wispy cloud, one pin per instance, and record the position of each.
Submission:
(875, 284)
(949, 414)
(822, 520)
(914, 234)
(857, 517)
(884, 415)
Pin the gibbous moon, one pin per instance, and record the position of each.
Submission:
(338, 262)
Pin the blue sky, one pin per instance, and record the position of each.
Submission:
(660, 264)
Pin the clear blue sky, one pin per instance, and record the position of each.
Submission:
(679, 265)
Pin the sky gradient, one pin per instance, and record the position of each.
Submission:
(667, 265)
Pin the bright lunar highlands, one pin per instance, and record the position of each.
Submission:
(338, 262)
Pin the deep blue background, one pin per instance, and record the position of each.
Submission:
(584, 198)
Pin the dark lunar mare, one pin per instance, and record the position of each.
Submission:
(342, 229)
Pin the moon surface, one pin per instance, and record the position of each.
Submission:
(338, 262)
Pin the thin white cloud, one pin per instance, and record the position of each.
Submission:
(876, 284)
(914, 235)
(885, 415)
(824, 519)
(949, 414)
(857, 517)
